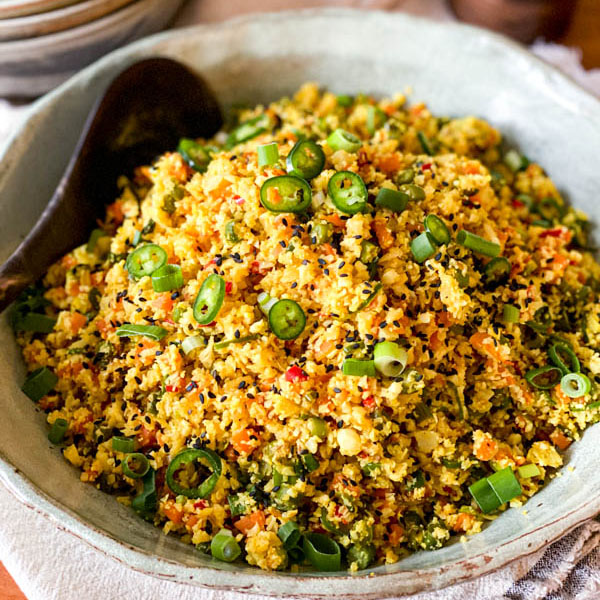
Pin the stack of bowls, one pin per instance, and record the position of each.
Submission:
(43, 42)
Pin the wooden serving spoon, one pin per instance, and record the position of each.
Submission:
(143, 113)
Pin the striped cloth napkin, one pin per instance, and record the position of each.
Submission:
(50, 564)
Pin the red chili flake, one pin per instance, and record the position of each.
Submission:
(552, 232)
(228, 287)
(211, 324)
(295, 373)
(368, 402)
(200, 504)
(426, 167)
(169, 321)
(175, 387)
(517, 203)
(238, 200)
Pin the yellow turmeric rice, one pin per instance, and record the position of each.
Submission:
(341, 332)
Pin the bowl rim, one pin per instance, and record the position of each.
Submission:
(313, 585)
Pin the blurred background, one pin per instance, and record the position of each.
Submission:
(42, 42)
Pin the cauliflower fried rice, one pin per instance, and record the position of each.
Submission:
(291, 442)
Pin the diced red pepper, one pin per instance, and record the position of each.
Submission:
(426, 167)
(368, 402)
(552, 232)
(295, 373)
(228, 287)
(517, 203)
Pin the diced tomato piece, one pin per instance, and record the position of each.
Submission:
(228, 287)
(295, 373)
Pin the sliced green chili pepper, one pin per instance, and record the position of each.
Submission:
(306, 159)
(138, 471)
(150, 331)
(287, 319)
(343, 140)
(415, 192)
(437, 229)
(194, 154)
(348, 192)
(393, 200)
(248, 129)
(209, 299)
(368, 252)
(167, 278)
(544, 378)
(405, 176)
(39, 383)
(322, 552)
(285, 193)
(190, 455)
(145, 260)
(558, 352)
(497, 270)
(230, 234)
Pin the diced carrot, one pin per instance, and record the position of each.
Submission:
(486, 449)
(242, 442)
(72, 287)
(163, 302)
(384, 236)
(395, 534)
(560, 440)
(434, 341)
(249, 522)
(68, 261)
(76, 322)
(114, 212)
(148, 357)
(173, 513)
(484, 343)
(220, 190)
(445, 318)
(390, 163)
(464, 522)
(335, 220)
(471, 168)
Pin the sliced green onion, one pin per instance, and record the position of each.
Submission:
(318, 427)
(437, 229)
(343, 140)
(296, 555)
(511, 313)
(405, 176)
(248, 129)
(150, 331)
(289, 534)
(394, 200)
(94, 237)
(415, 192)
(375, 118)
(423, 247)
(287, 319)
(485, 496)
(575, 385)
(515, 161)
(192, 342)
(268, 154)
(371, 469)
(190, 455)
(224, 546)
(39, 383)
(58, 430)
(505, 485)
(209, 299)
(135, 471)
(358, 368)
(167, 278)
(241, 340)
(35, 322)
(368, 252)
(306, 159)
(544, 378)
(560, 351)
(478, 244)
(528, 471)
(145, 502)
(378, 287)
(344, 100)
(123, 444)
(310, 462)
(230, 234)
(322, 552)
(424, 143)
(497, 271)
(265, 303)
(390, 359)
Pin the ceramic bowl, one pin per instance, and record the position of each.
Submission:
(457, 70)
(32, 66)
(19, 8)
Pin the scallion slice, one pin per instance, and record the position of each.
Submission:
(289, 534)
(224, 546)
(150, 331)
(510, 313)
(544, 378)
(505, 485)
(322, 552)
(423, 247)
(241, 340)
(268, 154)
(343, 140)
(265, 302)
(515, 161)
(39, 383)
(437, 229)
(123, 444)
(192, 455)
(192, 342)
(358, 368)
(478, 244)
(564, 358)
(394, 200)
(93, 240)
(167, 278)
(528, 471)
(485, 496)
(575, 385)
(145, 502)
(424, 143)
(390, 359)
(58, 430)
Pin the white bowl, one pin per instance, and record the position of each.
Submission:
(33, 66)
(457, 70)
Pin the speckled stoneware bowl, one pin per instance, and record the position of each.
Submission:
(458, 70)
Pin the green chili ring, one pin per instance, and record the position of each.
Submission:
(349, 199)
(285, 193)
(286, 319)
(190, 455)
(209, 299)
(306, 159)
(544, 378)
(145, 260)
(135, 473)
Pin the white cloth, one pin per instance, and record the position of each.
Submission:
(33, 549)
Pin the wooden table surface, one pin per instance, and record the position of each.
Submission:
(584, 32)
